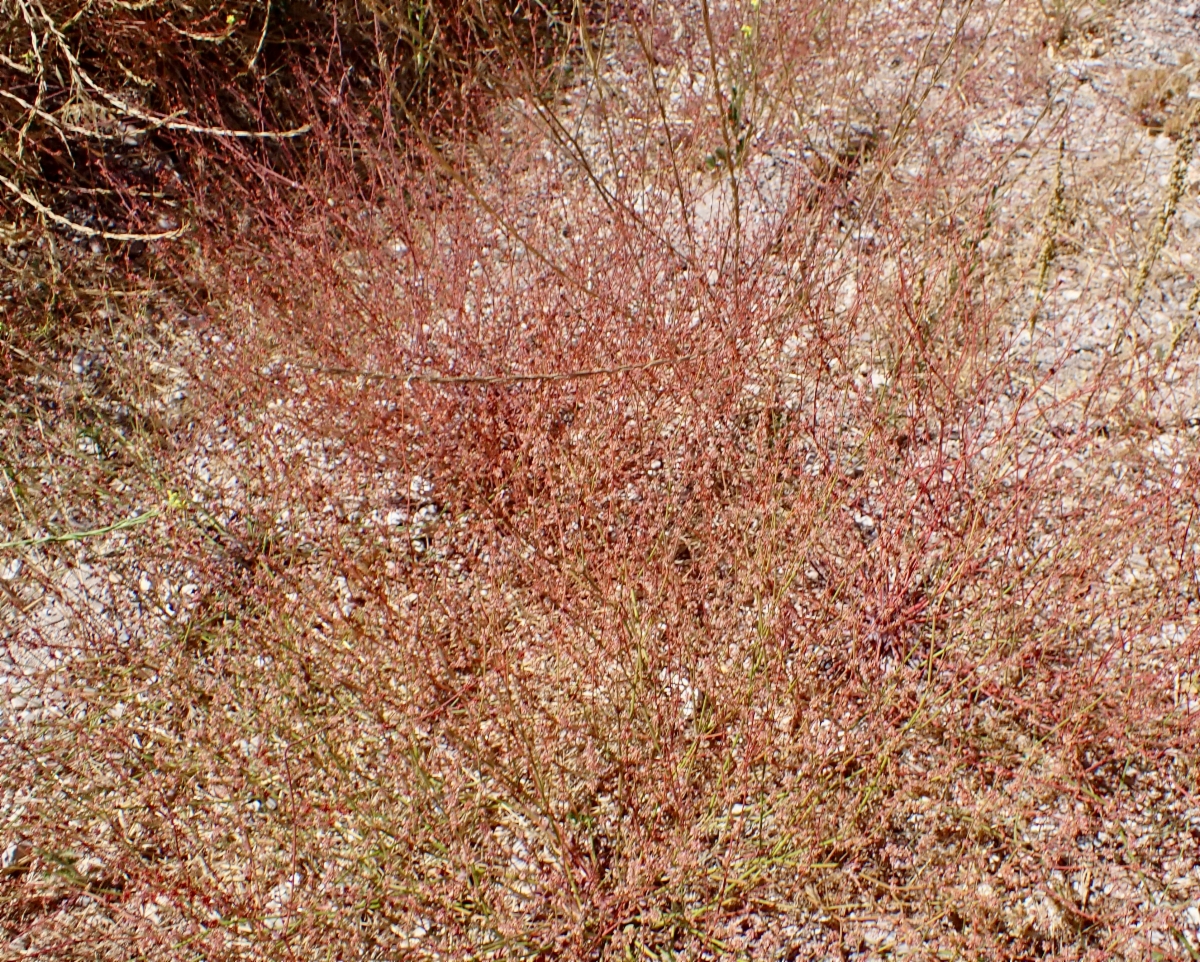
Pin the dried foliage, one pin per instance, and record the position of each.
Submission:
(118, 119)
(647, 527)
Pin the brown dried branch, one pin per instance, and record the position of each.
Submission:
(83, 229)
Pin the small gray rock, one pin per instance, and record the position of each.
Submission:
(16, 857)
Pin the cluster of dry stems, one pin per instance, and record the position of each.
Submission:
(646, 527)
